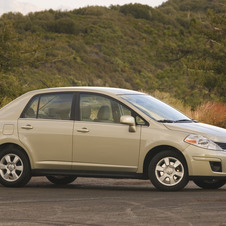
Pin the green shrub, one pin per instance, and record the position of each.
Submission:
(137, 10)
(65, 25)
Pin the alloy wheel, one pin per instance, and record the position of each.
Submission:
(11, 167)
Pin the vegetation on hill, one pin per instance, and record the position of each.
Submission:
(178, 48)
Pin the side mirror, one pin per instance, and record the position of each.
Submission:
(130, 121)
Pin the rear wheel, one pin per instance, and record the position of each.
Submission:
(14, 167)
(209, 183)
(168, 171)
(61, 180)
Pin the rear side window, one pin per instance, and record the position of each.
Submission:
(50, 106)
(31, 109)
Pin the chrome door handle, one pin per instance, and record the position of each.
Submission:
(83, 130)
(27, 127)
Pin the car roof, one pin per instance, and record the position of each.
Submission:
(109, 90)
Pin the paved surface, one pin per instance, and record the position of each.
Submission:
(90, 201)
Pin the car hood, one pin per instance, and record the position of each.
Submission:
(213, 133)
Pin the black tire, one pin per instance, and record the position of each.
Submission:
(209, 183)
(61, 180)
(15, 168)
(168, 171)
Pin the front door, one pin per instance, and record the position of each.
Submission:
(100, 142)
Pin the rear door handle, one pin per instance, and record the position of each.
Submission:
(83, 130)
(27, 127)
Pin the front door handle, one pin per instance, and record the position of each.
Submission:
(27, 127)
(83, 130)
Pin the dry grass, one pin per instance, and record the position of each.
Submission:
(212, 113)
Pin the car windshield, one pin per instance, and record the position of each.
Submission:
(155, 108)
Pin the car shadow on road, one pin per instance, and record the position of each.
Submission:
(110, 185)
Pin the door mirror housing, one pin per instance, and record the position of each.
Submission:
(130, 121)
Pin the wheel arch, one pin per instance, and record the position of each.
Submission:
(151, 154)
(5, 145)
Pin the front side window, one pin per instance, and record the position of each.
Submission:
(50, 106)
(98, 108)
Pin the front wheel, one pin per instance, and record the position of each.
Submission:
(14, 167)
(209, 183)
(168, 171)
(61, 180)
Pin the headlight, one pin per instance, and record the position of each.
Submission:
(202, 142)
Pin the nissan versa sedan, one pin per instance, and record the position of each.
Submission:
(65, 133)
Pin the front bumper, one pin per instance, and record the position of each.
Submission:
(204, 162)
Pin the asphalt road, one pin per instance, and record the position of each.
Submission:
(91, 201)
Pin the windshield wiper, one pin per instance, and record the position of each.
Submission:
(177, 121)
(166, 121)
(184, 120)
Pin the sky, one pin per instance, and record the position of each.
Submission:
(26, 6)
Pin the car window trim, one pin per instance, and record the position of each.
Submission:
(75, 107)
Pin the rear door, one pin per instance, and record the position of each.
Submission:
(45, 128)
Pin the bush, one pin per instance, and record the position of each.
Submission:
(91, 10)
(137, 10)
(65, 26)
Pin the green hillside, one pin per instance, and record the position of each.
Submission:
(178, 48)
